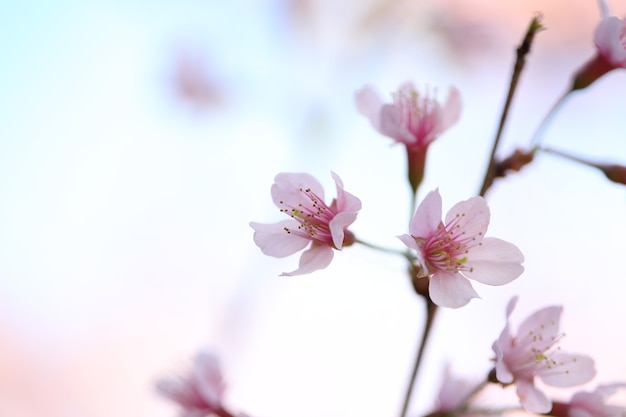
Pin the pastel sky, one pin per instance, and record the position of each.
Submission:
(138, 140)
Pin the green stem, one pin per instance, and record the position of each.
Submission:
(431, 310)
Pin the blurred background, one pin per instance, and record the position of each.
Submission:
(139, 139)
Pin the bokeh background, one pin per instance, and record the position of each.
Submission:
(138, 139)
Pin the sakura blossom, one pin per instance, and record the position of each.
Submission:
(199, 393)
(320, 226)
(610, 41)
(413, 119)
(453, 252)
(610, 38)
(594, 404)
(534, 352)
(454, 394)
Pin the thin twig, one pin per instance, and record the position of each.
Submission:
(431, 309)
(522, 51)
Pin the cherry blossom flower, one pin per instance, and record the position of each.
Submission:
(413, 119)
(313, 223)
(533, 352)
(610, 40)
(453, 394)
(456, 250)
(592, 404)
(199, 393)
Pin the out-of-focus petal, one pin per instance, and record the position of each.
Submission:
(608, 39)
(209, 378)
(542, 324)
(451, 112)
(391, 124)
(503, 374)
(369, 103)
(532, 399)
(569, 370)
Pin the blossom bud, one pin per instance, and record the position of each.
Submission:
(515, 162)
(616, 173)
(591, 71)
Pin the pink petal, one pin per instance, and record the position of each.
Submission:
(503, 374)
(580, 412)
(338, 225)
(569, 370)
(532, 399)
(427, 217)
(604, 9)
(391, 125)
(471, 215)
(452, 392)
(369, 104)
(494, 262)
(511, 306)
(345, 200)
(312, 259)
(178, 390)
(274, 241)
(209, 378)
(286, 188)
(608, 40)
(544, 322)
(451, 111)
(410, 242)
(451, 290)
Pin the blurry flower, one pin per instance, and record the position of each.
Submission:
(199, 393)
(610, 40)
(324, 227)
(195, 82)
(593, 404)
(534, 352)
(413, 119)
(456, 250)
(453, 394)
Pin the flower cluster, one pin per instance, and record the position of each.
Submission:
(445, 255)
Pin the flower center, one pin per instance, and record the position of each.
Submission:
(419, 113)
(538, 355)
(312, 214)
(447, 249)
